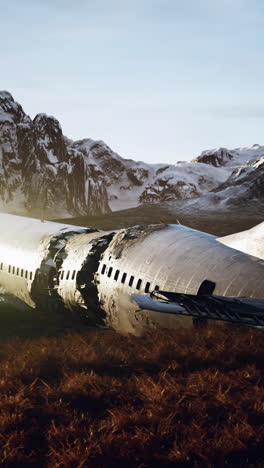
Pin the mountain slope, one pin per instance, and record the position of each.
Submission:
(42, 171)
(223, 157)
(245, 185)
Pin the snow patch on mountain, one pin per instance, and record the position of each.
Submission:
(230, 158)
(130, 183)
(42, 172)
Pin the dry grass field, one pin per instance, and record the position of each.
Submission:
(73, 397)
(93, 398)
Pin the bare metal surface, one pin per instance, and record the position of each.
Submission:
(178, 259)
(250, 241)
(23, 244)
(171, 257)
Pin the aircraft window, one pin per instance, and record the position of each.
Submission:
(139, 284)
(68, 275)
(9, 268)
(147, 287)
(103, 269)
(116, 275)
(22, 272)
(131, 281)
(123, 278)
(62, 274)
(156, 288)
(26, 274)
(73, 274)
(17, 271)
(13, 271)
(30, 275)
(110, 272)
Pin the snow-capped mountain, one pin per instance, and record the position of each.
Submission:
(42, 171)
(245, 183)
(231, 158)
(39, 170)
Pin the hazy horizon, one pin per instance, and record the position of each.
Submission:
(157, 80)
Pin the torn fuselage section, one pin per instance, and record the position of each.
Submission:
(77, 286)
(44, 289)
(86, 283)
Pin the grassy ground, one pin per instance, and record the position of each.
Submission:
(96, 399)
(75, 397)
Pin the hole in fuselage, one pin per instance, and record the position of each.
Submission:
(206, 288)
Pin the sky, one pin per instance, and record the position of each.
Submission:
(157, 80)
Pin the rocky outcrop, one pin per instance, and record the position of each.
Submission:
(230, 158)
(216, 158)
(40, 171)
(244, 184)
(43, 173)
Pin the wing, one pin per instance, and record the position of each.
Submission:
(243, 311)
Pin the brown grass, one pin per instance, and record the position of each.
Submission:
(98, 399)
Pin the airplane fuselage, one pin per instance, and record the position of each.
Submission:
(48, 265)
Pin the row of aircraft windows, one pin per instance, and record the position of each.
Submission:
(67, 274)
(29, 275)
(18, 271)
(131, 279)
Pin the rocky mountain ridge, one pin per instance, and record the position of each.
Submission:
(245, 184)
(43, 173)
(223, 157)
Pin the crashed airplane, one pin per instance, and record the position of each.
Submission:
(130, 279)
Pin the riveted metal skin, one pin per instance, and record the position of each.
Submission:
(95, 272)
(176, 259)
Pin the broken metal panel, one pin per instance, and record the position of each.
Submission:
(77, 287)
